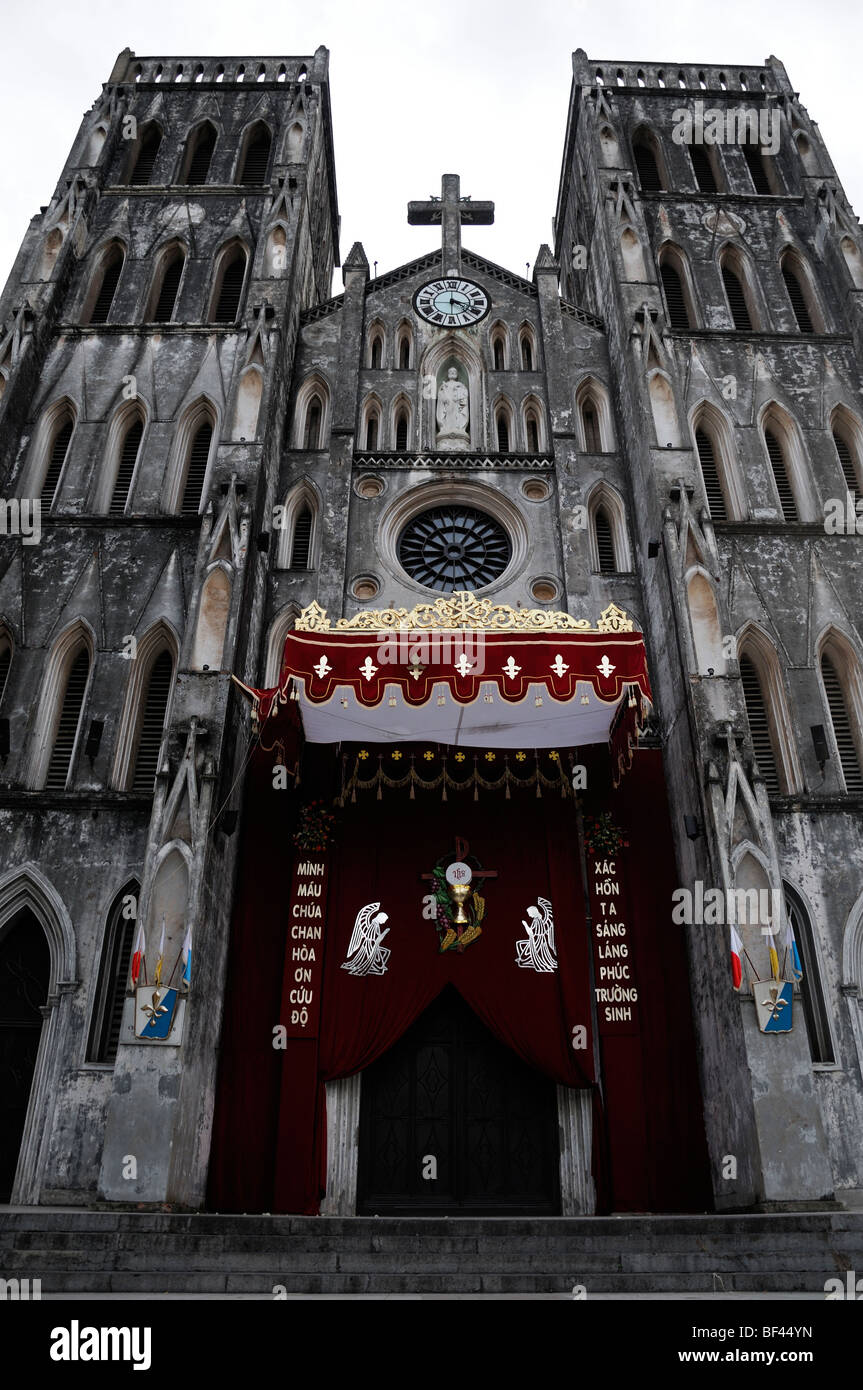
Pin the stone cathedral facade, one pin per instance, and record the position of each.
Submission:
(654, 446)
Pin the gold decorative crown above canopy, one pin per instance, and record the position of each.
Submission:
(462, 610)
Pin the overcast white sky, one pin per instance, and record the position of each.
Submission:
(475, 87)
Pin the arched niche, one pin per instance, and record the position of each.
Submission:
(295, 143)
(665, 420)
(633, 258)
(248, 404)
(609, 148)
(452, 351)
(169, 900)
(212, 625)
(755, 910)
(50, 252)
(853, 260)
(95, 144)
(276, 253)
(706, 629)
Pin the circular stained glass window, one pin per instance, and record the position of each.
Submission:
(454, 547)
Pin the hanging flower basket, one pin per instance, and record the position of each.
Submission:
(315, 826)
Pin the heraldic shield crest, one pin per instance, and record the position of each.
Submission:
(773, 1005)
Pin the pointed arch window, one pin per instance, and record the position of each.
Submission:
(846, 456)
(526, 353)
(101, 297)
(69, 723)
(196, 468)
(757, 170)
(126, 467)
(532, 430)
(170, 273)
(142, 171)
(736, 299)
(302, 539)
(590, 425)
(497, 348)
(57, 454)
(843, 729)
(402, 427)
(404, 353)
(232, 274)
(256, 160)
(760, 724)
(372, 427)
(811, 989)
(703, 169)
(199, 154)
(604, 542)
(114, 967)
(377, 351)
(502, 432)
(314, 419)
(679, 316)
(647, 166)
(776, 455)
(710, 475)
(799, 295)
(155, 707)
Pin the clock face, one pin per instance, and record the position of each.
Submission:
(452, 303)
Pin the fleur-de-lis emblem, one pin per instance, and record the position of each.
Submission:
(510, 669)
(463, 665)
(559, 666)
(774, 1003)
(416, 668)
(154, 1011)
(605, 667)
(323, 667)
(367, 670)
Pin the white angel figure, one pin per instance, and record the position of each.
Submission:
(366, 955)
(537, 951)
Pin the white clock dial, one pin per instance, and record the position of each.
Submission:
(451, 302)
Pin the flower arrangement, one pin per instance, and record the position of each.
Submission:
(315, 827)
(602, 836)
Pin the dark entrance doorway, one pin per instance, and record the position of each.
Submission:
(449, 1091)
(24, 978)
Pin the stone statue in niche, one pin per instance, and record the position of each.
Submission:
(452, 413)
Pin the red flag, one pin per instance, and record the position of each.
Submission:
(736, 957)
(138, 957)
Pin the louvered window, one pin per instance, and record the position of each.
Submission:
(604, 543)
(526, 355)
(108, 288)
(780, 474)
(591, 429)
(759, 725)
(128, 459)
(532, 435)
(257, 158)
(231, 288)
(648, 170)
(196, 472)
(152, 724)
(702, 169)
(842, 730)
(502, 434)
(143, 170)
(5, 663)
(710, 474)
(736, 300)
(302, 540)
(168, 290)
(678, 315)
(811, 993)
(498, 355)
(798, 301)
(313, 424)
(113, 977)
(372, 432)
(199, 165)
(59, 449)
(67, 729)
(757, 172)
(401, 432)
(849, 472)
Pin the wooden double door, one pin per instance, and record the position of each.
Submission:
(453, 1122)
